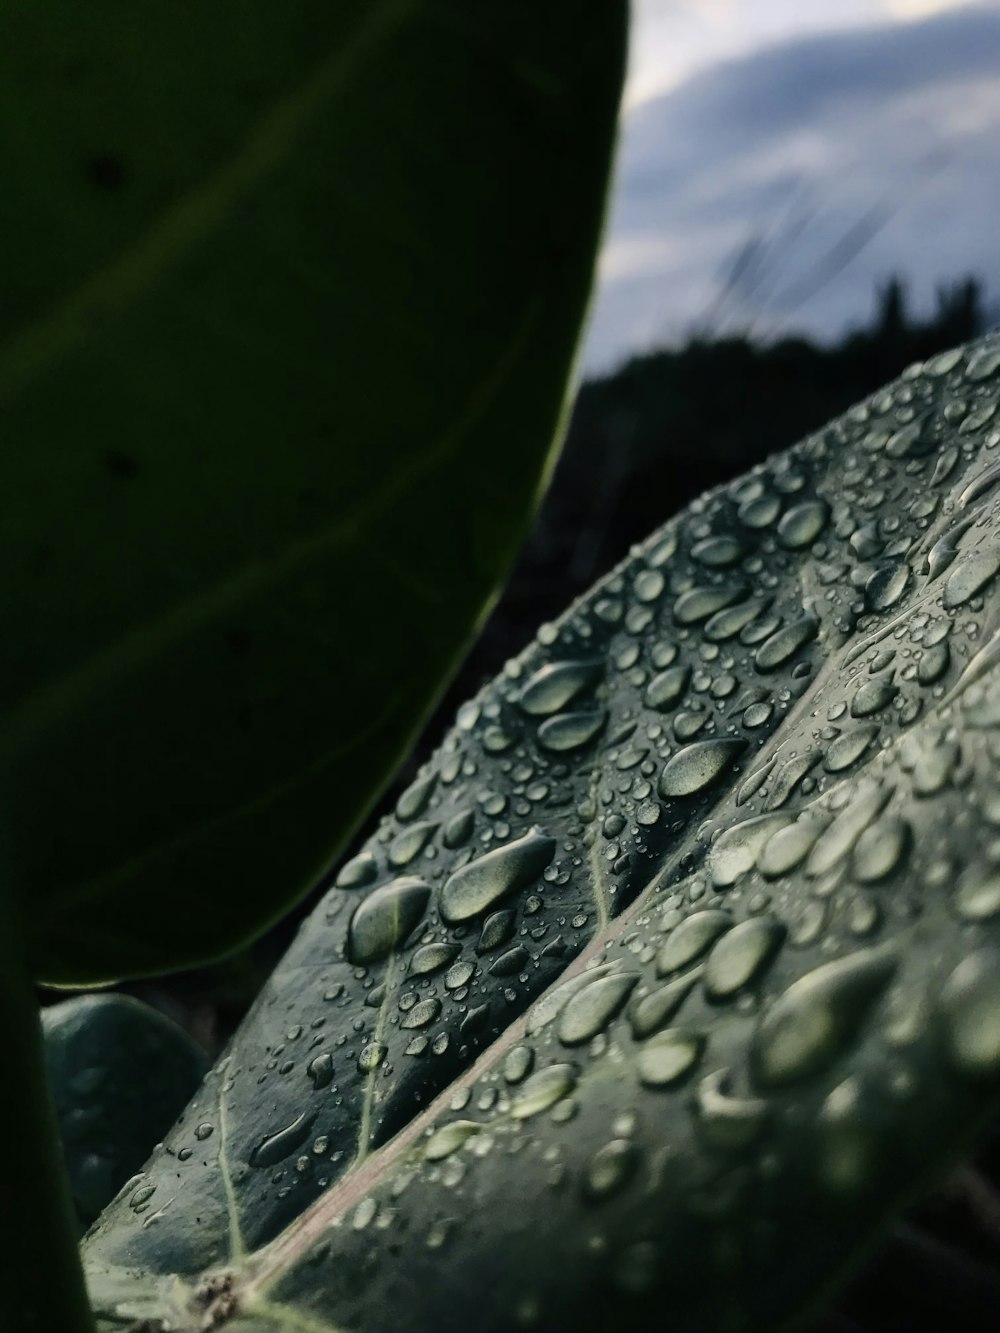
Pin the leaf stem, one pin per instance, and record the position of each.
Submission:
(41, 1281)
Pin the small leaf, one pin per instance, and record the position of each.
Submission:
(291, 293)
(748, 1028)
(120, 1074)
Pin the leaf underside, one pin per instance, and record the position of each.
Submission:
(290, 298)
(675, 973)
(119, 1072)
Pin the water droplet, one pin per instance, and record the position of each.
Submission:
(700, 603)
(371, 1057)
(320, 1070)
(410, 843)
(785, 643)
(933, 663)
(978, 896)
(556, 685)
(736, 849)
(983, 364)
(543, 1090)
(610, 1168)
(477, 886)
(414, 800)
(727, 1123)
(847, 748)
(458, 830)
(970, 1011)
(653, 1011)
(571, 731)
(386, 918)
(669, 1056)
(741, 955)
(431, 958)
(512, 962)
(697, 766)
(718, 552)
(552, 1003)
(880, 849)
(689, 940)
(497, 929)
(971, 576)
(518, 1064)
(447, 1139)
(726, 624)
(664, 690)
(203, 1131)
(422, 1013)
(837, 841)
(790, 846)
(873, 696)
(593, 1007)
(814, 1021)
(801, 525)
(276, 1147)
(358, 872)
(649, 584)
(886, 586)
(845, 1140)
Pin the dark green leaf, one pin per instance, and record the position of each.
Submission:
(730, 993)
(120, 1074)
(290, 297)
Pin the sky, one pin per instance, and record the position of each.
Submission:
(779, 160)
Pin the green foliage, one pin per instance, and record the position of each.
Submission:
(291, 294)
(120, 1074)
(678, 959)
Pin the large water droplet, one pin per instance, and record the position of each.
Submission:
(785, 643)
(571, 731)
(697, 766)
(837, 842)
(414, 800)
(477, 886)
(736, 849)
(970, 1010)
(447, 1139)
(543, 1090)
(801, 525)
(728, 1123)
(276, 1147)
(590, 1010)
(556, 685)
(386, 918)
(655, 1010)
(700, 603)
(974, 572)
(689, 940)
(664, 690)
(669, 1056)
(741, 955)
(847, 748)
(808, 1027)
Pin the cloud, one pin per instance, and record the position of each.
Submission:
(826, 164)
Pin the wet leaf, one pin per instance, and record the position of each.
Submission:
(739, 1014)
(291, 294)
(120, 1073)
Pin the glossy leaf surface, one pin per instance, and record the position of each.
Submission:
(120, 1073)
(291, 295)
(675, 973)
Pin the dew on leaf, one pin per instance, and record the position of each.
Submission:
(697, 766)
(385, 918)
(817, 1018)
(591, 1008)
(479, 885)
(668, 1057)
